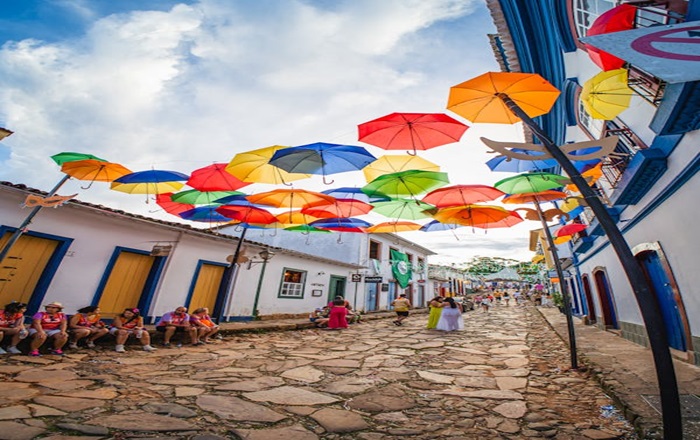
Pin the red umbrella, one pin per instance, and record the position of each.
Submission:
(174, 208)
(513, 219)
(619, 18)
(337, 208)
(570, 229)
(419, 131)
(459, 195)
(215, 178)
(246, 214)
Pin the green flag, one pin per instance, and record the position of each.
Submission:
(400, 267)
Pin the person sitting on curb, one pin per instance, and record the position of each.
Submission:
(130, 323)
(49, 324)
(177, 321)
(12, 324)
(320, 316)
(86, 324)
(401, 306)
(206, 328)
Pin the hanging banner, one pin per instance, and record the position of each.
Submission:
(400, 268)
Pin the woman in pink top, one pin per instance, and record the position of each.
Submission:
(49, 324)
(338, 315)
(12, 324)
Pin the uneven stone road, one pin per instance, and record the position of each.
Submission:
(504, 377)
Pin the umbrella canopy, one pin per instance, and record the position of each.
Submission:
(511, 220)
(337, 208)
(531, 183)
(619, 18)
(393, 227)
(341, 224)
(94, 170)
(570, 229)
(290, 198)
(322, 158)
(591, 175)
(511, 165)
(477, 99)
(403, 208)
(246, 214)
(253, 166)
(206, 214)
(150, 182)
(459, 195)
(435, 225)
(215, 178)
(406, 183)
(295, 218)
(196, 197)
(355, 194)
(174, 208)
(69, 156)
(471, 215)
(393, 164)
(562, 239)
(306, 229)
(539, 197)
(417, 131)
(606, 95)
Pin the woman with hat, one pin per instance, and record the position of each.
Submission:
(49, 324)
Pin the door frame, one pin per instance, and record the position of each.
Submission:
(606, 298)
(195, 277)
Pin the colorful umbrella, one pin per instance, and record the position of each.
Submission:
(563, 239)
(393, 164)
(246, 214)
(458, 195)
(592, 175)
(306, 229)
(511, 165)
(206, 214)
(531, 183)
(511, 220)
(403, 208)
(341, 224)
(355, 194)
(289, 198)
(174, 208)
(478, 99)
(570, 229)
(150, 182)
(393, 227)
(406, 183)
(606, 95)
(215, 178)
(196, 197)
(337, 208)
(70, 156)
(295, 218)
(541, 197)
(619, 18)
(253, 166)
(435, 225)
(322, 158)
(94, 170)
(419, 131)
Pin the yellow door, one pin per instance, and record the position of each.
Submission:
(206, 287)
(125, 283)
(22, 267)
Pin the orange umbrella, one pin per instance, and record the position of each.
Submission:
(337, 208)
(289, 198)
(591, 175)
(541, 197)
(94, 170)
(478, 99)
(295, 218)
(471, 215)
(393, 227)
(512, 220)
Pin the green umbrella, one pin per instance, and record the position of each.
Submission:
(69, 156)
(195, 197)
(403, 208)
(406, 183)
(531, 183)
(305, 229)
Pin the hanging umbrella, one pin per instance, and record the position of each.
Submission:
(541, 197)
(419, 131)
(531, 183)
(478, 99)
(510, 165)
(406, 183)
(215, 178)
(563, 239)
(196, 197)
(94, 170)
(511, 220)
(458, 195)
(246, 214)
(393, 227)
(150, 182)
(403, 208)
(572, 207)
(306, 229)
(174, 208)
(355, 194)
(619, 18)
(237, 199)
(471, 215)
(295, 218)
(570, 229)
(206, 214)
(592, 175)
(289, 198)
(69, 156)
(337, 208)
(253, 166)
(435, 225)
(606, 95)
(341, 224)
(393, 164)
(322, 158)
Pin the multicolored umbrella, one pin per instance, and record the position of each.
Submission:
(94, 170)
(393, 227)
(174, 208)
(322, 158)
(215, 178)
(393, 164)
(459, 195)
(406, 183)
(69, 156)
(531, 183)
(355, 194)
(417, 131)
(435, 226)
(150, 182)
(196, 197)
(409, 209)
(606, 95)
(253, 166)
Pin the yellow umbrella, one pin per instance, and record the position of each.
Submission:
(148, 188)
(393, 227)
(252, 166)
(295, 218)
(562, 239)
(537, 258)
(395, 163)
(606, 95)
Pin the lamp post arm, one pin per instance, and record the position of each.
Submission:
(647, 302)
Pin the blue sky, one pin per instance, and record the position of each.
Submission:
(156, 84)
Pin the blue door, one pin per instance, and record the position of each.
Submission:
(659, 281)
(371, 296)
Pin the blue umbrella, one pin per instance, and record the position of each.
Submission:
(355, 194)
(348, 224)
(322, 158)
(152, 176)
(238, 200)
(506, 164)
(583, 165)
(439, 226)
(205, 214)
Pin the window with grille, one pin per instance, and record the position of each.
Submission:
(292, 284)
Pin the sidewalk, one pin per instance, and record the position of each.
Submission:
(626, 372)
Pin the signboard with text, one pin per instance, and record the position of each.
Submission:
(373, 279)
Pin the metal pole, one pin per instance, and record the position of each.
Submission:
(562, 287)
(354, 299)
(647, 302)
(20, 229)
(257, 291)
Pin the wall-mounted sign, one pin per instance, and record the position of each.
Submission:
(373, 279)
(356, 278)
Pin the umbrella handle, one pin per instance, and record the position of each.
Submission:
(326, 182)
(415, 152)
(89, 184)
(340, 238)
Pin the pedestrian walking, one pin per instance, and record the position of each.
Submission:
(51, 324)
(401, 306)
(12, 324)
(435, 306)
(130, 323)
(451, 316)
(506, 298)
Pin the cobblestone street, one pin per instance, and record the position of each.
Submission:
(504, 377)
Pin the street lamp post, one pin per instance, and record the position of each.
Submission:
(266, 255)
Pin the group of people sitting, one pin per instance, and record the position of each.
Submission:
(86, 326)
(337, 314)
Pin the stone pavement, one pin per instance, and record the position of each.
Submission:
(504, 377)
(626, 372)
